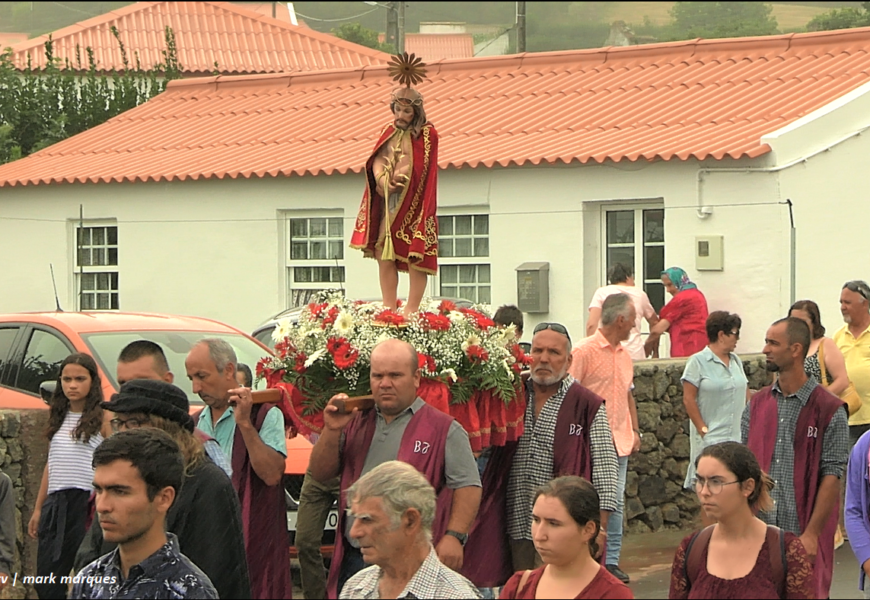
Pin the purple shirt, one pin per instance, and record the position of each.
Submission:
(857, 502)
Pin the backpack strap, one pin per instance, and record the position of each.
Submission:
(778, 563)
(692, 563)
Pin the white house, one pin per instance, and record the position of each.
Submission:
(229, 197)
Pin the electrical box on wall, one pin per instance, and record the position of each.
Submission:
(533, 287)
(709, 253)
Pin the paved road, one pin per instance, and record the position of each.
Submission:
(648, 558)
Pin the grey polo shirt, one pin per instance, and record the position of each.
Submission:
(460, 468)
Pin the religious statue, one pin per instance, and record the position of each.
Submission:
(396, 223)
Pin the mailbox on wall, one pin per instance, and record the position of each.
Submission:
(533, 287)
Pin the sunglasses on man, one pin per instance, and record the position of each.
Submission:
(557, 327)
(859, 287)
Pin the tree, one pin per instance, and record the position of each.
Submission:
(40, 107)
(356, 33)
(722, 19)
(842, 18)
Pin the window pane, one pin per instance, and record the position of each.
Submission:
(299, 251)
(318, 250)
(113, 279)
(620, 227)
(336, 250)
(445, 225)
(112, 234)
(88, 302)
(84, 257)
(449, 274)
(462, 247)
(335, 228)
(468, 292)
(321, 274)
(448, 291)
(99, 256)
(483, 294)
(89, 281)
(481, 225)
(654, 225)
(42, 361)
(115, 305)
(445, 248)
(301, 274)
(102, 301)
(463, 225)
(467, 273)
(98, 236)
(113, 256)
(620, 255)
(654, 262)
(298, 228)
(656, 293)
(337, 274)
(102, 281)
(483, 273)
(317, 228)
(481, 246)
(84, 237)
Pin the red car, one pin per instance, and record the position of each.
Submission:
(32, 346)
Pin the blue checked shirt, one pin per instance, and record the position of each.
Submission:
(835, 453)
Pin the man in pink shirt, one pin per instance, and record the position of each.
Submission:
(603, 365)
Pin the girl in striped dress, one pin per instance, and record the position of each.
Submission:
(59, 520)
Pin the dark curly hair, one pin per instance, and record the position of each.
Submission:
(92, 415)
(721, 321)
(741, 461)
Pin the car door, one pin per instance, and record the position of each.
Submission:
(35, 357)
(9, 338)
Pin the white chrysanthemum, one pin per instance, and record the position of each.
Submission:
(450, 373)
(282, 330)
(455, 316)
(344, 323)
(472, 340)
(313, 358)
(507, 367)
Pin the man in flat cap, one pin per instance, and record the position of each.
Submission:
(206, 515)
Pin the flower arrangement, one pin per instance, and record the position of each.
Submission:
(329, 349)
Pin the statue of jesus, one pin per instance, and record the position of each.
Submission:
(396, 223)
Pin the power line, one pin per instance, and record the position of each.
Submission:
(299, 14)
(75, 9)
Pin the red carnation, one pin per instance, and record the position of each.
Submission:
(262, 369)
(284, 348)
(446, 306)
(433, 322)
(316, 309)
(331, 316)
(346, 356)
(299, 367)
(421, 360)
(334, 345)
(390, 317)
(477, 354)
(430, 364)
(483, 322)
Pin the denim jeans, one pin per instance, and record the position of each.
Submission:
(614, 523)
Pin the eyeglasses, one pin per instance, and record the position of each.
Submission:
(859, 287)
(714, 486)
(557, 327)
(736, 334)
(132, 423)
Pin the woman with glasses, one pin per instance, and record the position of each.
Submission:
(740, 556)
(715, 390)
(684, 316)
(59, 519)
(206, 515)
(565, 526)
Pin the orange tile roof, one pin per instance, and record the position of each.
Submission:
(681, 100)
(240, 40)
(435, 46)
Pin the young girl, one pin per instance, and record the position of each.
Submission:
(60, 517)
(565, 524)
(735, 556)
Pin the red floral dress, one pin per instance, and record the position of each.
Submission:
(758, 583)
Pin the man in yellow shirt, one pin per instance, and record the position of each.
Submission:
(853, 339)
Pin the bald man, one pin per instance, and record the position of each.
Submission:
(402, 427)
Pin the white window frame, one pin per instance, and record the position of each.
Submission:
(91, 271)
(473, 211)
(289, 263)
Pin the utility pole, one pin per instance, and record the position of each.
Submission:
(521, 27)
(392, 35)
(400, 38)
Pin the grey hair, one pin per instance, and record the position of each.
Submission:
(615, 306)
(400, 487)
(220, 352)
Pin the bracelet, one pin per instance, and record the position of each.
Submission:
(637, 431)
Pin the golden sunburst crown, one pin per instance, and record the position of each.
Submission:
(407, 69)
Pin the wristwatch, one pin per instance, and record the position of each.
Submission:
(462, 537)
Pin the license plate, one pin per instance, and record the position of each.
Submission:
(331, 520)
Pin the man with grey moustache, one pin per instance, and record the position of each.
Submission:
(566, 433)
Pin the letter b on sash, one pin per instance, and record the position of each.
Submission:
(574, 429)
(421, 447)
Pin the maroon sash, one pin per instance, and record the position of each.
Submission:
(808, 443)
(423, 446)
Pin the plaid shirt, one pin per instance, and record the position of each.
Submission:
(533, 463)
(835, 453)
(432, 580)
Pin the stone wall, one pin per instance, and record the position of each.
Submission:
(655, 498)
(23, 452)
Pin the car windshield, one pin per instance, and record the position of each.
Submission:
(106, 347)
